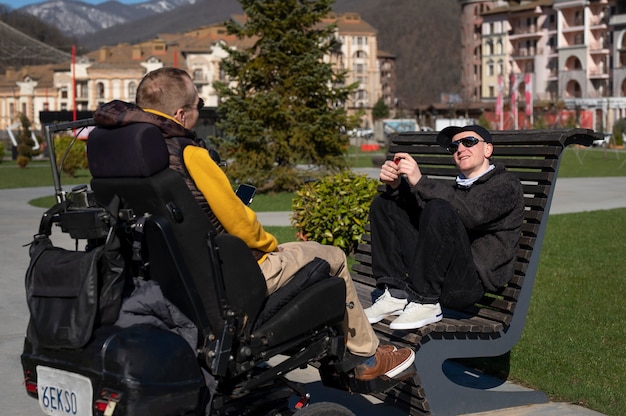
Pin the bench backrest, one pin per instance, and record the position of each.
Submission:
(534, 156)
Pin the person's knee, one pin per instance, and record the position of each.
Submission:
(381, 207)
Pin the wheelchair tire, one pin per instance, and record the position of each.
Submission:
(324, 409)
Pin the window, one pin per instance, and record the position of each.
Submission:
(578, 39)
(578, 18)
(100, 90)
(81, 90)
(132, 90)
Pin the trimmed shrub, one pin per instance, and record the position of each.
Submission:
(2, 150)
(334, 210)
(22, 161)
(76, 157)
(619, 129)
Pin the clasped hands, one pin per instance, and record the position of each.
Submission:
(402, 165)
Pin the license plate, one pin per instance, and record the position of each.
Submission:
(63, 393)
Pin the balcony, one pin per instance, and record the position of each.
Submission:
(523, 52)
(524, 33)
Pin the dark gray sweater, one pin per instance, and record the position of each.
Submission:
(492, 210)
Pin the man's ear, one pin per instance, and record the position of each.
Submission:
(180, 115)
(488, 150)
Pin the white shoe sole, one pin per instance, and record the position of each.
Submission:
(415, 325)
(405, 364)
(381, 317)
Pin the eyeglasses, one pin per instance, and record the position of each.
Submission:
(198, 106)
(469, 141)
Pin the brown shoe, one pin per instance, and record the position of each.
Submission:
(385, 348)
(390, 364)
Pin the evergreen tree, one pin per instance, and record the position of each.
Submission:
(380, 110)
(25, 143)
(285, 105)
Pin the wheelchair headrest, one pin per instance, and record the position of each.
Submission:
(135, 151)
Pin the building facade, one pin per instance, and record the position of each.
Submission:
(561, 53)
(113, 72)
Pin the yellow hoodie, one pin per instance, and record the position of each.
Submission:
(236, 218)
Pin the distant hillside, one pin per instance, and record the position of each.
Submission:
(34, 43)
(425, 37)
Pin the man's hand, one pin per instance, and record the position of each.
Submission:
(401, 165)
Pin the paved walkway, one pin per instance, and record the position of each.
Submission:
(19, 221)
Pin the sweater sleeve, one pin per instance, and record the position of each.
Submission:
(236, 218)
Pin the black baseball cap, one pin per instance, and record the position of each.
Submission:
(444, 138)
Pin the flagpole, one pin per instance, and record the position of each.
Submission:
(74, 82)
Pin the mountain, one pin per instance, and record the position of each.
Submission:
(183, 18)
(78, 18)
(424, 35)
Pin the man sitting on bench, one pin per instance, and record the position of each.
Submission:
(167, 98)
(436, 244)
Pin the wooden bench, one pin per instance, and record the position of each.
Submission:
(493, 326)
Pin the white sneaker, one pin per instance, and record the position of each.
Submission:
(417, 315)
(383, 306)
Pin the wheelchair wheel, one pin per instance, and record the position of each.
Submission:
(324, 409)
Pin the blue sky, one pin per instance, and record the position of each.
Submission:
(16, 4)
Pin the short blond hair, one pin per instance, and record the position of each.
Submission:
(166, 90)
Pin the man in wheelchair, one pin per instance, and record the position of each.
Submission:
(249, 297)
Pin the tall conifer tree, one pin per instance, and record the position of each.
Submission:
(285, 103)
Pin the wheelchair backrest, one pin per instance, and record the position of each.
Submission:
(132, 162)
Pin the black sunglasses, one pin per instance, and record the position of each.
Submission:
(469, 141)
(200, 105)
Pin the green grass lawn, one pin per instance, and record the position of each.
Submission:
(592, 162)
(574, 343)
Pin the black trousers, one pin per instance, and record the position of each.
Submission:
(424, 252)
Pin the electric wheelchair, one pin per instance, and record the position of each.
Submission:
(206, 349)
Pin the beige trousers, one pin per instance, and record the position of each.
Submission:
(280, 266)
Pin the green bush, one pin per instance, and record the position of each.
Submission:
(75, 159)
(2, 150)
(334, 210)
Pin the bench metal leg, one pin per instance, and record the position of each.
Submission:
(440, 380)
